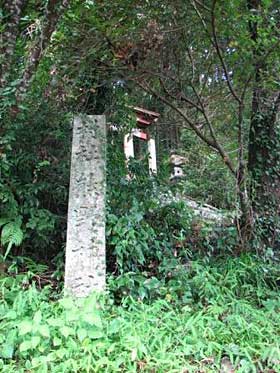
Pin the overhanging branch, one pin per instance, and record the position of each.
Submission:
(210, 142)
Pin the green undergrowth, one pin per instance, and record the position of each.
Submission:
(227, 314)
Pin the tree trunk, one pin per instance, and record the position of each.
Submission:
(85, 249)
(9, 37)
(54, 10)
(264, 164)
(264, 147)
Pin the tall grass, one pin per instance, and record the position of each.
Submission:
(231, 320)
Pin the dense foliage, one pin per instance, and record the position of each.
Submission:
(183, 294)
(214, 313)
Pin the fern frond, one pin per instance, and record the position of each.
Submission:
(4, 221)
(11, 235)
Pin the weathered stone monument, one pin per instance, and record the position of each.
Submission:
(85, 248)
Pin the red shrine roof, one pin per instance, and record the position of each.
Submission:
(145, 117)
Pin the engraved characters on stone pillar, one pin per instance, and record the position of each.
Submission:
(85, 249)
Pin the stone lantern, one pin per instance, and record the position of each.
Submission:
(177, 162)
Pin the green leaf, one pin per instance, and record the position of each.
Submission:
(57, 341)
(7, 351)
(61, 353)
(55, 322)
(72, 315)
(95, 334)
(35, 341)
(44, 331)
(93, 318)
(36, 362)
(134, 354)
(82, 334)
(67, 303)
(25, 346)
(37, 317)
(12, 315)
(25, 327)
(114, 326)
(66, 331)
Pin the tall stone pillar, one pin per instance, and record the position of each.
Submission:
(85, 248)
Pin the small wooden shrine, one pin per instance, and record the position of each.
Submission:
(144, 120)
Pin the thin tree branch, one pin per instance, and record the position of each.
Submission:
(201, 19)
(219, 53)
(182, 96)
(212, 132)
(203, 6)
(204, 138)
